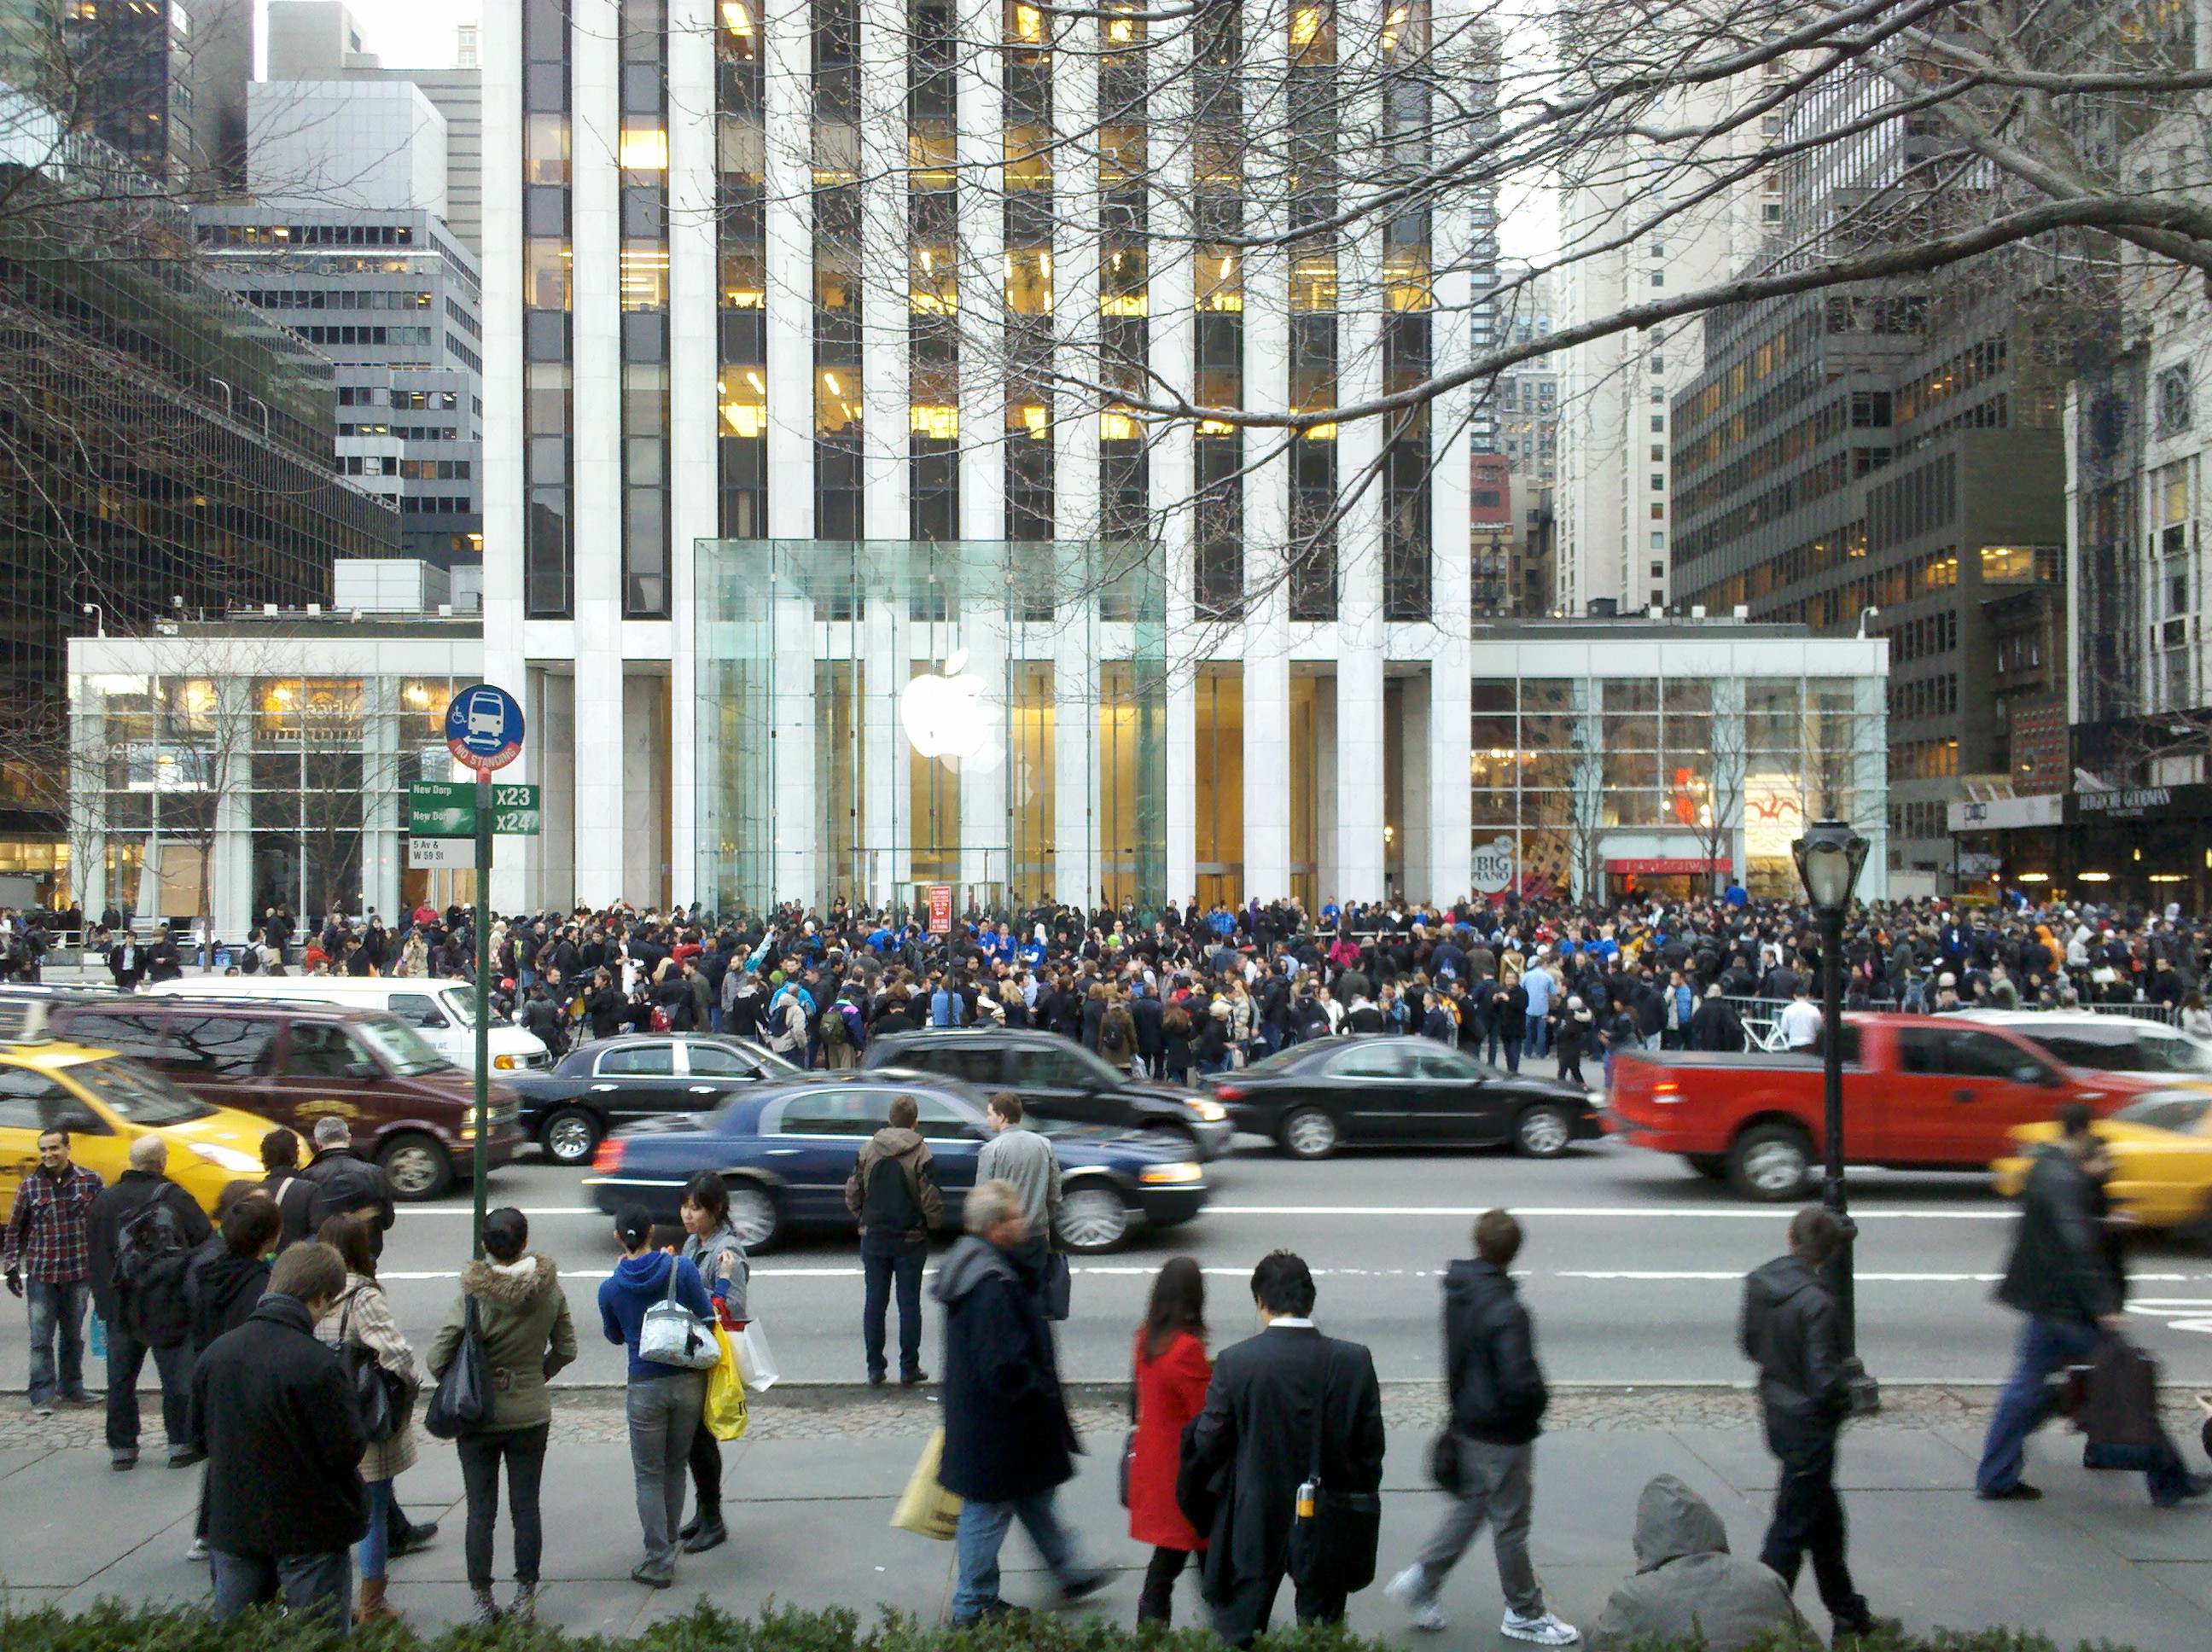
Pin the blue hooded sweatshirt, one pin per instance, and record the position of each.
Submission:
(636, 1283)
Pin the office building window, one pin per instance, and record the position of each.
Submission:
(548, 553)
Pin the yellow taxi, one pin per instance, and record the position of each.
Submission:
(2162, 1148)
(107, 1102)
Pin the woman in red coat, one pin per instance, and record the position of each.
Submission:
(1172, 1371)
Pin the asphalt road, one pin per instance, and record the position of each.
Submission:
(1632, 1267)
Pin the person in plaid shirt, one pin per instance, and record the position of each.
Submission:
(44, 1250)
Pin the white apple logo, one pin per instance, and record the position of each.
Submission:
(945, 715)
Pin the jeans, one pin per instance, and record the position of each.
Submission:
(523, 1450)
(982, 1531)
(2045, 1345)
(1512, 1055)
(705, 1458)
(1535, 1039)
(663, 1414)
(126, 1358)
(1156, 1601)
(882, 1270)
(375, 1548)
(57, 1312)
(1808, 1515)
(310, 1585)
(1494, 1485)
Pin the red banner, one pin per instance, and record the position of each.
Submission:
(940, 909)
(1665, 868)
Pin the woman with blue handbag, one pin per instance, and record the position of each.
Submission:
(656, 1305)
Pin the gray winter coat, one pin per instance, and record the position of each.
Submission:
(1687, 1586)
(706, 1254)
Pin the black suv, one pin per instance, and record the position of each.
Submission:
(1055, 1080)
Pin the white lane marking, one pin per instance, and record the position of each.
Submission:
(1729, 1276)
(1607, 1212)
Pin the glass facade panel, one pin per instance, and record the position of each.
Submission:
(881, 716)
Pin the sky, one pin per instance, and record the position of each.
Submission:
(413, 33)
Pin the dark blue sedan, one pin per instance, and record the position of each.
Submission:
(785, 1149)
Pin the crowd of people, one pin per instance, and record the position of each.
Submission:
(1255, 1464)
(1200, 990)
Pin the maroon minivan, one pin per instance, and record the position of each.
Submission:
(296, 1061)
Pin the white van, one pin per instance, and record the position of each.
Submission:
(443, 1012)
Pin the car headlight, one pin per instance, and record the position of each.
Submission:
(1210, 1111)
(228, 1158)
(1161, 1175)
(504, 1063)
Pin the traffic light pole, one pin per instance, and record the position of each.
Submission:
(483, 1007)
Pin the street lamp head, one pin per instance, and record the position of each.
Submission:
(1829, 857)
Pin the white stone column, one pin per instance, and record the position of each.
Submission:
(693, 410)
(1445, 802)
(886, 473)
(383, 797)
(785, 42)
(1077, 828)
(797, 806)
(500, 479)
(1171, 349)
(597, 630)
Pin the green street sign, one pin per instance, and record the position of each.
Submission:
(514, 809)
(448, 808)
(442, 809)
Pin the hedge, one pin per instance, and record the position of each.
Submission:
(111, 1624)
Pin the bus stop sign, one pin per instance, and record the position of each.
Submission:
(483, 728)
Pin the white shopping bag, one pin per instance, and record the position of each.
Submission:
(754, 1358)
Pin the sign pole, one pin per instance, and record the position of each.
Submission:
(484, 731)
(484, 1006)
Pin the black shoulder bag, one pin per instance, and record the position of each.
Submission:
(462, 1401)
(1333, 1535)
(383, 1399)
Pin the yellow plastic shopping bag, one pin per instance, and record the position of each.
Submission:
(926, 1507)
(725, 1392)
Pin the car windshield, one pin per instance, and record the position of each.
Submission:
(2180, 1113)
(399, 1045)
(2139, 1050)
(1288, 1056)
(136, 1094)
(460, 1002)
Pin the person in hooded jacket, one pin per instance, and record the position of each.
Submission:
(270, 1410)
(527, 1335)
(1498, 1399)
(711, 1245)
(1687, 1587)
(227, 1275)
(150, 1317)
(663, 1402)
(1008, 1440)
(1790, 1329)
(893, 1191)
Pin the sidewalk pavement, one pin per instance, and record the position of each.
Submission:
(810, 1498)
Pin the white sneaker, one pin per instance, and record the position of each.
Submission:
(1410, 1589)
(1545, 1629)
(198, 1551)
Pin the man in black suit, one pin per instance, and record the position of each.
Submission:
(1255, 1442)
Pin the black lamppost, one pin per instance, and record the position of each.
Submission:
(1829, 857)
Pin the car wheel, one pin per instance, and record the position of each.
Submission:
(1542, 1132)
(1309, 1132)
(756, 1216)
(1711, 1166)
(1172, 1140)
(1772, 1162)
(419, 1168)
(1093, 1219)
(569, 1136)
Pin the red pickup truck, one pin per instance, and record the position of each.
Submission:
(1920, 1092)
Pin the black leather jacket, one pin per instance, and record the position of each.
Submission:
(1496, 1388)
(1790, 1330)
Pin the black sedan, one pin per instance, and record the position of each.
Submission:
(1315, 1097)
(1057, 1078)
(785, 1149)
(567, 1107)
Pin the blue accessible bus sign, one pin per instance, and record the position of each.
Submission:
(483, 728)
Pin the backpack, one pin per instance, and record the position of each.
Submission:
(834, 1027)
(151, 1261)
